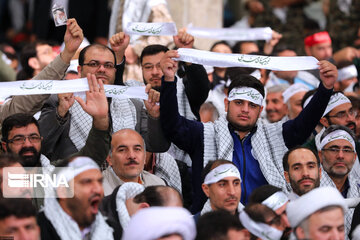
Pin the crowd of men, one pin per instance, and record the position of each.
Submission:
(212, 153)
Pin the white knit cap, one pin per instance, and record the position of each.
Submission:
(294, 89)
(155, 222)
(347, 72)
(311, 202)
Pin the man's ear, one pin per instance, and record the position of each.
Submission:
(34, 63)
(324, 122)
(226, 102)
(320, 156)
(205, 189)
(287, 178)
(108, 159)
(143, 205)
(3, 144)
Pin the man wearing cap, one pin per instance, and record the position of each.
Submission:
(337, 155)
(292, 98)
(255, 148)
(276, 108)
(77, 217)
(302, 170)
(313, 216)
(347, 77)
(339, 111)
(222, 186)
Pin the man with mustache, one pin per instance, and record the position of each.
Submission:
(302, 170)
(276, 109)
(222, 186)
(337, 155)
(339, 111)
(126, 160)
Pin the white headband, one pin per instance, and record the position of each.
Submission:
(246, 93)
(276, 200)
(259, 229)
(347, 72)
(79, 165)
(337, 135)
(336, 100)
(294, 89)
(221, 172)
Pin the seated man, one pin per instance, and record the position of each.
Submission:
(18, 219)
(127, 159)
(77, 217)
(302, 170)
(130, 197)
(337, 155)
(314, 217)
(222, 186)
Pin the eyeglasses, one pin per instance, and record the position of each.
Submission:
(18, 140)
(343, 114)
(97, 64)
(150, 67)
(336, 151)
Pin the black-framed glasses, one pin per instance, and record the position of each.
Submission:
(18, 140)
(343, 114)
(337, 150)
(97, 64)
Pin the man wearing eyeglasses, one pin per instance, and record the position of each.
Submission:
(338, 112)
(337, 155)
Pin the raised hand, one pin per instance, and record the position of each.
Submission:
(168, 65)
(119, 43)
(66, 100)
(328, 74)
(183, 39)
(152, 104)
(96, 103)
(73, 38)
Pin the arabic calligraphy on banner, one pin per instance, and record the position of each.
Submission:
(151, 29)
(31, 87)
(243, 60)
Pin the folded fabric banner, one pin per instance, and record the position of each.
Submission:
(151, 29)
(249, 34)
(32, 87)
(243, 60)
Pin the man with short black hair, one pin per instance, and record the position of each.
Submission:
(302, 170)
(222, 186)
(18, 219)
(220, 225)
(256, 148)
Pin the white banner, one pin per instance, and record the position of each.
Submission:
(31, 87)
(151, 29)
(249, 34)
(243, 60)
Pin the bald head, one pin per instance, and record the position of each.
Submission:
(127, 154)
